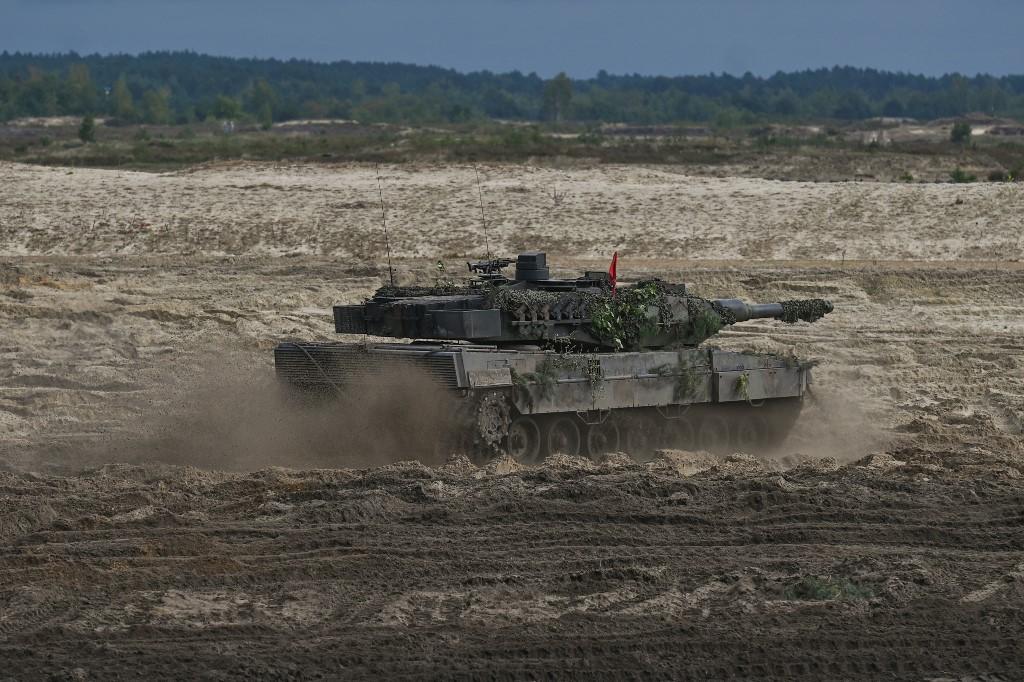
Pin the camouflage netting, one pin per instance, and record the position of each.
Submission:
(809, 310)
(388, 291)
(533, 304)
(706, 319)
(695, 306)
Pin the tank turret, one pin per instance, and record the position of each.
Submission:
(530, 308)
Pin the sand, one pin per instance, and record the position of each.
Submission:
(163, 511)
(258, 209)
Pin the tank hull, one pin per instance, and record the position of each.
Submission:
(531, 403)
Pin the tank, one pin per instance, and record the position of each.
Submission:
(537, 365)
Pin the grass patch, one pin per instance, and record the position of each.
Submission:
(827, 588)
(959, 175)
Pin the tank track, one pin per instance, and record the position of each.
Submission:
(498, 428)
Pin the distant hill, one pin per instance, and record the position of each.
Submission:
(180, 87)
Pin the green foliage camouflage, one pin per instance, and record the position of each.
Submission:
(743, 386)
(546, 375)
(622, 320)
(687, 380)
(521, 384)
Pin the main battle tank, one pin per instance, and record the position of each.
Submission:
(579, 366)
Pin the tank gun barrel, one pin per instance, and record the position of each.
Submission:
(743, 311)
(809, 310)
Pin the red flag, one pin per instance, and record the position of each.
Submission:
(612, 275)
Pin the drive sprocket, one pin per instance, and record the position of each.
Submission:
(493, 417)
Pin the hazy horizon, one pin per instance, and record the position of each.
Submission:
(581, 38)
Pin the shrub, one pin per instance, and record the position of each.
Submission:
(266, 117)
(961, 132)
(959, 175)
(87, 131)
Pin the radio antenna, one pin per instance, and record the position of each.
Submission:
(384, 222)
(483, 218)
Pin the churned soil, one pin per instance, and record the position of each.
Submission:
(907, 565)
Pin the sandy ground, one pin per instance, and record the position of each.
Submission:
(162, 510)
(654, 212)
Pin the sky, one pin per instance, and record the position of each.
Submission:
(580, 37)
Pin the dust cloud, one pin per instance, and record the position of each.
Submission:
(227, 410)
(842, 425)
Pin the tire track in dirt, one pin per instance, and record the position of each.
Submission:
(570, 568)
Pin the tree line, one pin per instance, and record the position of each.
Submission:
(186, 87)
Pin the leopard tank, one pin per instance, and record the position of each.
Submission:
(537, 365)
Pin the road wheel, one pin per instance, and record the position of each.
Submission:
(523, 440)
(713, 433)
(602, 438)
(562, 435)
(641, 437)
(749, 431)
(682, 433)
(780, 417)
